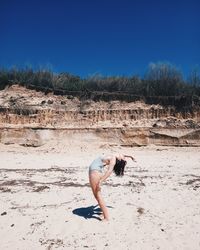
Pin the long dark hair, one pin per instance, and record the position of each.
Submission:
(119, 167)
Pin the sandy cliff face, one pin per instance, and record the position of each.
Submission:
(32, 118)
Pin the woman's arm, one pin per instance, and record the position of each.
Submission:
(110, 169)
(129, 156)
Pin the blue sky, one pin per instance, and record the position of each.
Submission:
(86, 37)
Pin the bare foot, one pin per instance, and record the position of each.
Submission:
(103, 218)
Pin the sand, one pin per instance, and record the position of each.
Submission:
(46, 201)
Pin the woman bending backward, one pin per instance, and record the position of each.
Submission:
(115, 163)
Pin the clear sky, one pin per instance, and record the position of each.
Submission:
(108, 37)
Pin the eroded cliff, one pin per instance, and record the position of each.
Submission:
(32, 118)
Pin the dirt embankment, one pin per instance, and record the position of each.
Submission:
(32, 118)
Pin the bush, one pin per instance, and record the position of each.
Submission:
(161, 79)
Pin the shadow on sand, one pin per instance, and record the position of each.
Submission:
(91, 212)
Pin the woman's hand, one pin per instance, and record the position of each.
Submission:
(133, 159)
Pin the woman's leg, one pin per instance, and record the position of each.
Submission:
(102, 205)
(94, 178)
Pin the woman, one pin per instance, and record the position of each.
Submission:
(96, 175)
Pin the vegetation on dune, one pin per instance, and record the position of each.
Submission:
(161, 79)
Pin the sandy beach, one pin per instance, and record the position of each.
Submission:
(46, 201)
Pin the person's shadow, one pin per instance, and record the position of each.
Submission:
(90, 212)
